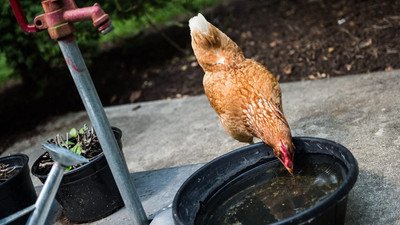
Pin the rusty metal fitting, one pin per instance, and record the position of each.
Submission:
(61, 30)
(51, 5)
(60, 15)
(106, 28)
(95, 13)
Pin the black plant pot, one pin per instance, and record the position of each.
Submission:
(17, 192)
(89, 192)
(203, 195)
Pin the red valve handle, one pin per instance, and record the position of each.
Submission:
(21, 18)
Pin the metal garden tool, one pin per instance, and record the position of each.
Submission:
(58, 19)
(63, 158)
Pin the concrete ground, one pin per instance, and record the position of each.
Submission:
(362, 112)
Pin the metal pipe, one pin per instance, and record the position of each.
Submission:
(17, 215)
(21, 18)
(46, 196)
(97, 116)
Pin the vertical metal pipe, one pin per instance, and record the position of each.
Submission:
(97, 116)
(46, 196)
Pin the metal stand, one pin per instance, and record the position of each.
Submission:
(58, 20)
(97, 116)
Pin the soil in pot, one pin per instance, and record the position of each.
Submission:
(7, 171)
(87, 142)
(87, 192)
(16, 188)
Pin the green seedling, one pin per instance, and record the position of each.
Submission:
(80, 141)
(73, 133)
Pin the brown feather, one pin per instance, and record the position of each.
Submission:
(244, 94)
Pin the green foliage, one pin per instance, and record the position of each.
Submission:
(23, 51)
(73, 133)
(78, 141)
(32, 56)
(5, 70)
(131, 18)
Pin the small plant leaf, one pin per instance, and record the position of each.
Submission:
(68, 168)
(73, 133)
(82, 130)
(77, 149)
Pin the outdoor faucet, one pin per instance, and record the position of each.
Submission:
(59, 17)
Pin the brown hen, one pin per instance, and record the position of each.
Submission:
(245, 95)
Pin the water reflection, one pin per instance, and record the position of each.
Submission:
(270, 195)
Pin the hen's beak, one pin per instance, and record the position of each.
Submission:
(287, 165)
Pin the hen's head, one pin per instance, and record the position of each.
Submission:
(285, 153)
(273, 129)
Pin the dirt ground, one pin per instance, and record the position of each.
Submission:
(296, 40)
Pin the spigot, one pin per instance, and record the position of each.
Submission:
(100, 19)
(106, 29)
(59, 17)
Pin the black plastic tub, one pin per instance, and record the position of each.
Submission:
(89, 192)
(204, 192)
(17, 192)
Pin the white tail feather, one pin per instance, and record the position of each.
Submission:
(198, 23)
